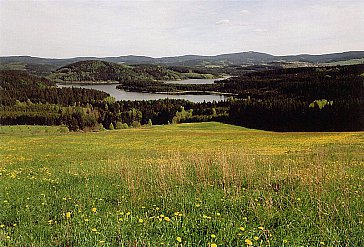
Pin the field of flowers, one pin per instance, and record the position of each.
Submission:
(205, 184)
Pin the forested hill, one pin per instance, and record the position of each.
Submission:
(94, 71)
(44, 66)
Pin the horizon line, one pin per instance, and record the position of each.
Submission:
(159, 57)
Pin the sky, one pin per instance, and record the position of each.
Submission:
(62, 29)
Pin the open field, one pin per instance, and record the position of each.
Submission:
(188, 184)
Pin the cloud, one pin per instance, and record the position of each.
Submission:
(260, 30)
(223, 22)
(244, 11)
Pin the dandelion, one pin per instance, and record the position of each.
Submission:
(256, 238)
(218, 214)
(2, 226)
(197, 205)
(167, 219)
(68, 215)
(94, 230)
(141, 220)
(179, 239)
(94, 210)
(128, 213)
(213, 245)
(322, 243)
(261, 228)
(213, 236)
(50, 222)
(86, 220)
(14, 224)
(242, 228)
(248, 242)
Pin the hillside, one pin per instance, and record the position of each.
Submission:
(95, 71)
(44, 66)
(190, 184)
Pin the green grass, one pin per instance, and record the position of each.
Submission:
(199, 183)
(346, 62)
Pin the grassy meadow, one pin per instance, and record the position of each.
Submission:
(204, 184)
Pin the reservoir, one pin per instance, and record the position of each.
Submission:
(120, 94)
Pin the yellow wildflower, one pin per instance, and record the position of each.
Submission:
(213, 236)
(94, 230)
(248, 242)
(94, 210)
(261, 228)
(213, 245)
(141, 220)
(179, 239)
(167, 219)
(242, 228)
(68, 215)
(256, 238)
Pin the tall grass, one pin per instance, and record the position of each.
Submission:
(191, 184)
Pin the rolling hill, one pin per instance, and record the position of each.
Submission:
(44, 66)
(92, 71)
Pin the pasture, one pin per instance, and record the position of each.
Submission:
(205, 184)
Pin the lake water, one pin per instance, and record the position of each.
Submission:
(119, 94)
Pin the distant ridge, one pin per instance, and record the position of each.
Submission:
(241, 58)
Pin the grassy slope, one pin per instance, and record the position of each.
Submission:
(201, 182)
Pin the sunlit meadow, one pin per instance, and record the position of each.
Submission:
(205, 184)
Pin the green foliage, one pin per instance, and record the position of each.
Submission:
(321, 103)
(101, 127)
(118, 125)
(182, 115)
(111, 126)
(136, 124)
(149, 122)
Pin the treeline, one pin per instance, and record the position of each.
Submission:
(74, 117)
(157, 86)
(307, 83)
(19, 85)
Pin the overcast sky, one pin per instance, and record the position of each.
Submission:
(168, 28)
